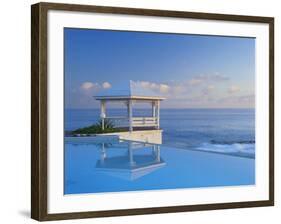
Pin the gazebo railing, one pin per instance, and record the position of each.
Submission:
(144, 121)
(118, 122)
(136, 121)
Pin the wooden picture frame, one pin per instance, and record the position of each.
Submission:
(39, 110)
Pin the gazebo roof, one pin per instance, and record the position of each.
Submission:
(131, 91)
(120, 167)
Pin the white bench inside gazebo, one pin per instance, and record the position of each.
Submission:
(131, 95)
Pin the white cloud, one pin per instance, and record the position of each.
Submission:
(195, 81)
(180, 89)
(176, 89)
(156, 87)
(106, 85)
(201, 79)
(88, 85)
(198, 91)
(144, 84)
(207, 90)
(164, 88)
(233, 89)
(219, 78)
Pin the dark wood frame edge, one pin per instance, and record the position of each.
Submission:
(39, 110)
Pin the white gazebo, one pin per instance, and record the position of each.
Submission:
(129, 166)
(132, 94)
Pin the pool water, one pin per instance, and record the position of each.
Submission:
(115, 166)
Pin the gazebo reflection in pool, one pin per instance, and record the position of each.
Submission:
(138, 160)
(108, 164)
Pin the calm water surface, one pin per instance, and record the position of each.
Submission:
(201, 148)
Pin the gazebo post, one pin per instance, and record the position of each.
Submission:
(156, 151)
(131, 156)
(153, 109)
(158, 113)
(102, 113)
(103, 153)
(130, 115)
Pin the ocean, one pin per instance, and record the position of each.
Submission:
(227, 131)
(201, 148)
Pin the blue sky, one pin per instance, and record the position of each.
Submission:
(191, 71)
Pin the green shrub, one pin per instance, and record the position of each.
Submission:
(97, 128)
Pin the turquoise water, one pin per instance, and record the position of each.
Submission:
(106, 167)
(201, 148)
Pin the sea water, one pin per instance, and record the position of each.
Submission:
(230, 131)
(201, 148)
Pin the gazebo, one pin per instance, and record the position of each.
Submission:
(130, 166)
(130, 95)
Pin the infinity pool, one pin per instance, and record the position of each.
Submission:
(114, 166)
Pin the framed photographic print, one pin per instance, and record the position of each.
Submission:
(140, 111)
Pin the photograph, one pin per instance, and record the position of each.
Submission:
(144, 111)
(136, 111)
(154, 111)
